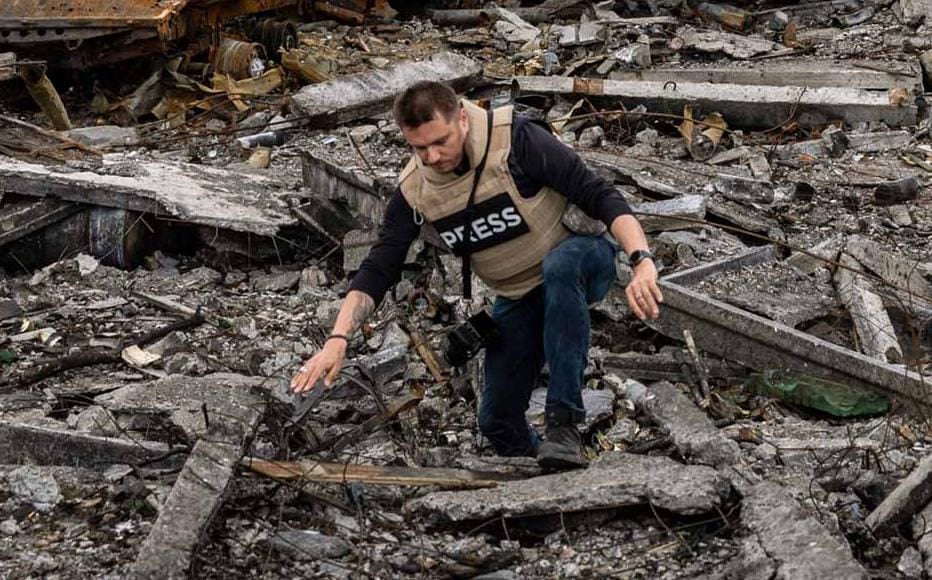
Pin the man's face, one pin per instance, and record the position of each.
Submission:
(439, 143)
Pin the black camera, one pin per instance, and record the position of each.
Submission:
(465, 340)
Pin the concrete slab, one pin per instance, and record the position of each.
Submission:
(198, 194)
(743, 105)
(616, 480)
(355, 96)
(795, 543)
(763, 344)
(225, 396)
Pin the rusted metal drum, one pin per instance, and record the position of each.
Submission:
(240, 60)
(275, 34)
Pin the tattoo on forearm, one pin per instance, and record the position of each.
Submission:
(361, 312)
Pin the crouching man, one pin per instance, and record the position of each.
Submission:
(495, 185)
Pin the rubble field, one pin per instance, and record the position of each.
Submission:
(186, 190)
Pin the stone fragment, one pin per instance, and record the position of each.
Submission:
(795, 542)
(910, 563)
(591, 137)
(909, 497)
(96, 420)
(277, 282)
(35, 485)
(693, 433)
(310, 545)
(363, 133)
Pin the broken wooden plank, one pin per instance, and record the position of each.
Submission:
(320, 472)
(664, 215)
(763, 344)
(876, 335)
(663, 367)
(615, 480)
(18, 220)
(166, 304)
(790, 74)
(32, 444)
(787, 542)
(742, 105)
(365, 94)
(693, 433)
(195, 193)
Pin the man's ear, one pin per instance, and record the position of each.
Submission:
(463, 119)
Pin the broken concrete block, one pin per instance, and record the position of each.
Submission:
(36, 486)
(910, 563)
(817, 255)
(591, 137)
(105, 136)
(615, 480)
(922, 533)
(277, 282)
(95, 420)
(733, 45)
(796, 543)
(896, 270)
(693, 433)
(599, 405)
(190, 402)
(909, 497)
(310, 545)
(513, 28)
(744, 190)
(893, 192)
(657, 216)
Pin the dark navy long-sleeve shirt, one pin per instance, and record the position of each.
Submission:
(537, 159)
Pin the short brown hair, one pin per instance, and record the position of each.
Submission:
(422, 101)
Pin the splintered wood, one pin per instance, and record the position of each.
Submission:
(319, 472)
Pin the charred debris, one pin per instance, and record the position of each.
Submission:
(185, 187)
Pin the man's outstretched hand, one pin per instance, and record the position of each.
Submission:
(326, 363)
(644, 296)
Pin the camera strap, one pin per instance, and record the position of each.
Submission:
(470, 211)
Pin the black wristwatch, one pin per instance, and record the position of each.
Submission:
(637, 256)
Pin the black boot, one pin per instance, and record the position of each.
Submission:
(562, 446)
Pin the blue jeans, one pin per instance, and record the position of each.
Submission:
(550, 323)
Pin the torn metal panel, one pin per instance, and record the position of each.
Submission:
(194, 193)
(742, 105)
(360, 95)
(763, 344)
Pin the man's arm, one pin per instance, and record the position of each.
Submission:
(381, 268)
(356, 308)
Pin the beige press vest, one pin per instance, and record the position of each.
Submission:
(511, 235)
